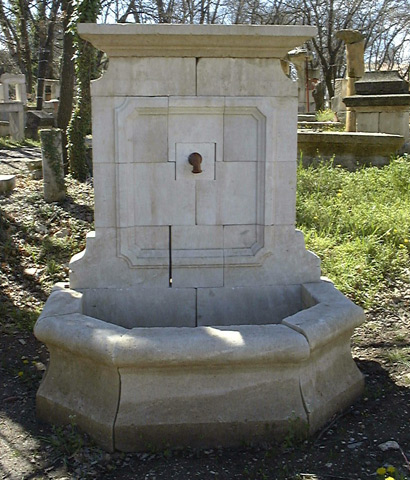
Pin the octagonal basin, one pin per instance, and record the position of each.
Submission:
(133, 384)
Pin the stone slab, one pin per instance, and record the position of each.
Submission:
(243, 77)
(381, 83)
(247, 305)
(142, 307)
(350, 149)
(377, 100)
(146, 77)
(246, 41)
(204, 407)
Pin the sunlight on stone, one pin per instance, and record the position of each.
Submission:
(230, 337)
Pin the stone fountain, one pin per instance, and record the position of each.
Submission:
(195, 316)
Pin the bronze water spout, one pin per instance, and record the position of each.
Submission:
(195, 159)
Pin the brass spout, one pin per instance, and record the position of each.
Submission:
(195, 159)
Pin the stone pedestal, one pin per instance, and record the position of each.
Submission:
(382, 104)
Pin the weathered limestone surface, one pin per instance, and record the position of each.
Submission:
(198, 386)
(53, 168)
(15, 111)
(210, 360)
(19, 81)
(354, 41)
(350, 149)
(382, 104)
(7, 183)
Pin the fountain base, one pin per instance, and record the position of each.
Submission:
(134, 389)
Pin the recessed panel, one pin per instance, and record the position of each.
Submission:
(233, 198)
(240, 138)
(161, 200)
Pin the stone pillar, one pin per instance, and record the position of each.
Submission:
(298, 58)
(53, 168)
(355, 67)
(21, 93)
(16, 120)
(5, 91)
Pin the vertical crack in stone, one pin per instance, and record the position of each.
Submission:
(117, 409)
(196, 75)
(306, 408)
(170, 256)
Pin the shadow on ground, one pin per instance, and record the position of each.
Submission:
(348, 447)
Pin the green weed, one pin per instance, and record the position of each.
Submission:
(326, 115)
(8, 143)
(399, 355)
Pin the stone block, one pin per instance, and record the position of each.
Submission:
(144, 246)
(197, 238)
(231, 199)
(193, 124)
(284, 191)
(116, 270)
(330, 382)
(150, 196)
(285, 132)
(53, 168)
(283, 261)
(381, 83)
(240, 138)
(142, 307)
(367, 122)
(247, 305)
(243, 77)
(217, 395)
(198, 272)
(141, 126)
(147, 77)
(69, 394)
(103, 117)
(196, 41)
(7, 183)
(104, 192)
(239, 236)
(395, 122)
(204, 407)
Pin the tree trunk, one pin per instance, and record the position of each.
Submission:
(44, 54)
(65, 106)
(23, 9)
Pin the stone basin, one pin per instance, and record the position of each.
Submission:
(136, 388)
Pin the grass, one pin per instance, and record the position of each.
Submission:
(358, 223)
(8, 143)
(326, 115)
